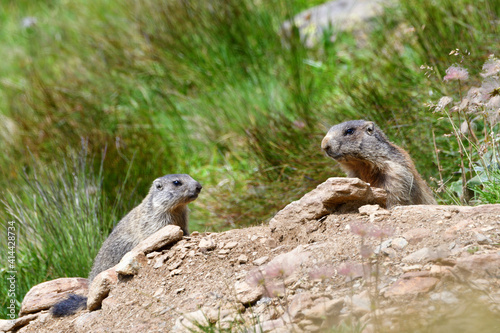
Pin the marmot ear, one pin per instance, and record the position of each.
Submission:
(370, 127)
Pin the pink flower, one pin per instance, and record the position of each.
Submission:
(376, 232)
(456, 73)
(360, 229)
(256, 278)
(491, 67)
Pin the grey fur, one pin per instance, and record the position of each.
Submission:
(166, 203)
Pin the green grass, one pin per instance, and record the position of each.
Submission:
(213, 91)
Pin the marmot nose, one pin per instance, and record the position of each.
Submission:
(325, 143)
(198, 188)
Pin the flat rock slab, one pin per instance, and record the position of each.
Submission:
(44, 295)
(413, 286)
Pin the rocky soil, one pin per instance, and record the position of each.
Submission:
(334, 257)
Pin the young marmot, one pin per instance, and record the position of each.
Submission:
(363, 151)
(166, 203)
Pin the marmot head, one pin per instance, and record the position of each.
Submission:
(355, 139)
(173, 191)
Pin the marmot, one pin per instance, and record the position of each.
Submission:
(166, 203)
(363, 151)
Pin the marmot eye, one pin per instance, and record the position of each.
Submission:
(177, 182)
(159, 186)
(349, 131)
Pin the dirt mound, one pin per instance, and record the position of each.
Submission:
(309, 273)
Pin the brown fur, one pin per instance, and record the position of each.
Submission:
(363, 151)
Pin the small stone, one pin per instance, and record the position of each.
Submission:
(445, 297)
(195, 234)
(412, 268)
(176, 272)
(415, 236)
(411, 286)
(100, 287)
(10, 325)
(426, 254)
(325, 309)
(224, 251)
(368, 209)
(482, 239)
(242, 259)
(153, 254)
(270, 243)
(159, 261)
(174, 265)
(247, 294)
(391, 253)
(438, 270)
(399, 243)
(180, 290)
(231, 245)
(207, 244)
(299, 303)
(131, 263)
(190, 322)
(158, 292)
(260, 261)
(254, 238)
(382, 247)
(163, 237)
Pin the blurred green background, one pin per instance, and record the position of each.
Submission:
(98, 98)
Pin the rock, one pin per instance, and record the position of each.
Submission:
(44, 295)
(413, 286)
(269, 243)
(482, 239)
(207, 244)
(399, 243)
(163, 237)
(361, 303)
(415, 236)
(325, 309)
(439, 271)
(231, 245)
(383, 246)
(271, 325)
(153, 255)
(242, 259)
(315, 22)
(131, 263)
(260, 261)
(370, 209)
(7, 325)
(191, 322)
(334, 195)
(247, 294)
(100, 288)
(299, 303)
(480, 264)
(426, 254)
(176, 264)
(445, 297)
